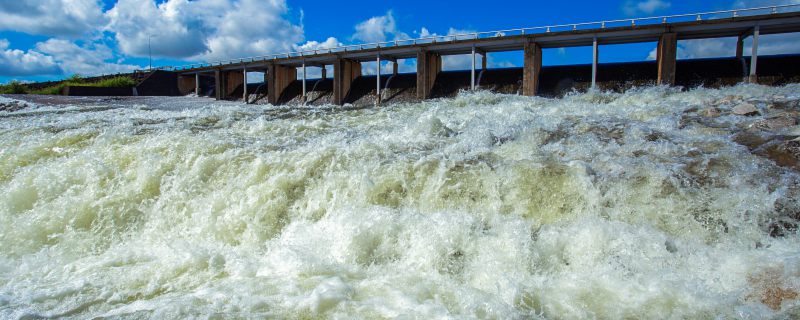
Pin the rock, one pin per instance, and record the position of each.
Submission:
(784, 153)
(751, 139)
(12, 106)
(745, 109)
(786, 104)
(712, 112)
(777, 122)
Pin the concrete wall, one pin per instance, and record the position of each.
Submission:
(186, 84)
(159, 83)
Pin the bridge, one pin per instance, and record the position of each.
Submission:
(282, 69)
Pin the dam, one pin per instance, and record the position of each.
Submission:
(228, 78)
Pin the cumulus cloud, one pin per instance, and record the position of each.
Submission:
(331, 42)
(203, 29)
(15, 62)
(645, 7)
(92, 59)
(379, 29)
(64, 18)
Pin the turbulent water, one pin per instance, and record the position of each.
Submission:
(597, 205)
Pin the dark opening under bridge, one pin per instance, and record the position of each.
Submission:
(281, 69)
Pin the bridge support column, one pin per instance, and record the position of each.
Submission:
(344, 72)
(244, 85)
(279, 77)
(472, 70)
(429, 64)
(305, 76)
(740, 47)
(378, 81)
(754, 57)
(666, 57)
(233, 79)
(532, 69)
(197, 84)
(324, 73)
(394, 67)
(595, 58)
(219, 85)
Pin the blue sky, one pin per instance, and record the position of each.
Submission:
(52, 39)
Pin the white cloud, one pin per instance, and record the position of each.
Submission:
(203, 29)
(93, 59)
(645, 7)
(331, 42)
(378, 29)
(15, 62)
(65, 18)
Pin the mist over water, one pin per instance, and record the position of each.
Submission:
(597, 205)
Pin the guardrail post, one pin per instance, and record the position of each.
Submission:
(532, 68)
(666, 58)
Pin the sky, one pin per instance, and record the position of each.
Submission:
(44, 40)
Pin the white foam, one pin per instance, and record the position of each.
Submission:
(598, 205)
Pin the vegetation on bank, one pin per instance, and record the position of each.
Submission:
(15, 87)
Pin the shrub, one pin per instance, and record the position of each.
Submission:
(78, 81)
(14, 87)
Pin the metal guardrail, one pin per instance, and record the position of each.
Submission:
(507, 32)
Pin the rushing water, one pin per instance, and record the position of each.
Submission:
(597, 205)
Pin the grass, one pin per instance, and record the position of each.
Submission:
(74, 81)
(13, 87)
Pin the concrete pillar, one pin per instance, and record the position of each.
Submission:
(378, 81)
(324, 73)
(740, 47)
(666, 57)
(197, 84)
(394, 67)
(754, 57)
(219, 85)
(279, 78)
(429, 64)
(305, 76)
(472, 70)
(532, 68)
(344, 72)
(483, 61)
(595, 58)
(233, 80)
(244, 85)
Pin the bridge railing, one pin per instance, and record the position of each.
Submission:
(653, 20)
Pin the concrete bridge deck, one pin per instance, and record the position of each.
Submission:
(281, 69)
